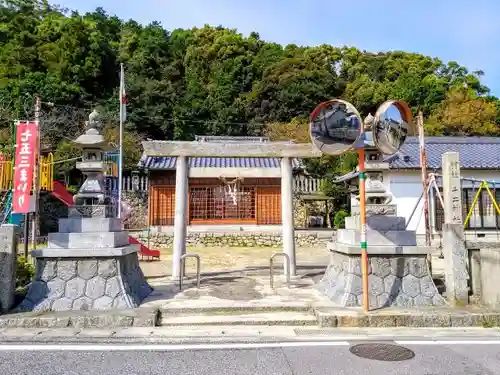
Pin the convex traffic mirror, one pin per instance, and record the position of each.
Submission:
(335, 126)
(392, 124)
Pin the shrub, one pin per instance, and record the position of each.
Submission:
(25, 272)
(73, 189)
(339, 219)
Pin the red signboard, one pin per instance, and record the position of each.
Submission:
(26, 143)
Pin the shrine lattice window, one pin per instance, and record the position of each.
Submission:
(216, 203)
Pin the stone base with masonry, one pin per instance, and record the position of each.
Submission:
(88, 265)
(103, 283)
(398, 273)
(403, 281)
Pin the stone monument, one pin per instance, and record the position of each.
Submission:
(454, 251)
(398, 272)
(8, 265)
(88, 264)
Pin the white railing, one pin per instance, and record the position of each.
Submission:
(306, 185)
(131, 183)
(301, 184)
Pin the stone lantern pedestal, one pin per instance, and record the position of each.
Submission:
(88, 264)
(398, 271)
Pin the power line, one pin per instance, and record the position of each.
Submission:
(75, 117)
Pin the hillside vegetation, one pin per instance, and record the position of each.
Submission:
(209, 80)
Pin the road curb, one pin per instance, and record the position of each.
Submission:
(239, 309)
(82, 319)
(326, 317)
(253, 319)
(429, 319)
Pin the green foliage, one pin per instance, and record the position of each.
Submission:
(328, 188)
(72, 189)
(24, 273)
(339, 219)
(65, 154)
(209, 80)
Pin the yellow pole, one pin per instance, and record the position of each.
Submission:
(474, 202)
(49, 172)
(2, 176)
(493, 199)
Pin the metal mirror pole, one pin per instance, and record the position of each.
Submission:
(336, 128)
(362, 217)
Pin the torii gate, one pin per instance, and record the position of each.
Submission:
(183, 150)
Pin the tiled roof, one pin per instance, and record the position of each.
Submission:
(475, 152)
(229, 138)
(168, 162)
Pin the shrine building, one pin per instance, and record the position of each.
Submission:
(221, 190)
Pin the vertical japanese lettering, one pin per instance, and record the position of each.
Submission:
(26, 143)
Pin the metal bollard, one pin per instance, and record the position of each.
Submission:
(181, 276)
(271, 269)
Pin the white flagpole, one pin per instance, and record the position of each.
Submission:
(120, 157)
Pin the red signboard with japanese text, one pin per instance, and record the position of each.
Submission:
(24, 165)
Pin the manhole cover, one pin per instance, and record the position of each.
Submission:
(382, 352)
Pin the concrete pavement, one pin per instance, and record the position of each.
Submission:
(435, 352)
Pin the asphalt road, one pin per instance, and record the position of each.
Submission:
(311, 358)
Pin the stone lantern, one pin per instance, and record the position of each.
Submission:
(89, 264)
(91, 200)
(378, 197)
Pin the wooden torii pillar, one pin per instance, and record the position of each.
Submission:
(286, 151)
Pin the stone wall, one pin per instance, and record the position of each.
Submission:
(303, 209)
(244, 239)
(138, 202)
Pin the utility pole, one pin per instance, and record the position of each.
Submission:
(123, 116)
(36, 175)
(423, 166)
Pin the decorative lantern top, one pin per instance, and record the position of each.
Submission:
(368, 123)
(92, 137)
(94, 123)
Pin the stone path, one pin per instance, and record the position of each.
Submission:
(237, 290)
(223, 259)
(241, 278)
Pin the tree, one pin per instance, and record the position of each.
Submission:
(296, 130)
(210, 80)
(132, 148)
(464, 113)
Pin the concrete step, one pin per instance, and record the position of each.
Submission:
(377, 222)
(378, 238)
(260, 319)
(93, 240)
(88, 224)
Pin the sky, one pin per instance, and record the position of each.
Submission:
(464, 31)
